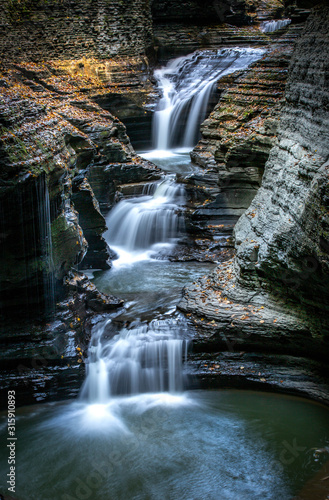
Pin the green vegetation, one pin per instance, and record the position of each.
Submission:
(15, 148)
(20, 10)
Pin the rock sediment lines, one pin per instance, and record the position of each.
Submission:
(281, 241)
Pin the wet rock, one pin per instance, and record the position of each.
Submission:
(66, 236)
(274, 295)
(94, 300)
(264, 372)
(93, 225)
(105, 181)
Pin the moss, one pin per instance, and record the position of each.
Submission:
(14, 147)
(67, 240)
(21, 10)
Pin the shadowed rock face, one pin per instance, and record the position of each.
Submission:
(181, 27)
(280, 272)
(51, 139)
(288, 219)
(200, 11)
(70, 29)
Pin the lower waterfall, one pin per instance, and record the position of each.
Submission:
(144, 357)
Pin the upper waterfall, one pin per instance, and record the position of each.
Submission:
(186, 85)
(274, 25)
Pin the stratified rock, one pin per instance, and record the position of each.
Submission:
(259, 371)
(275, 294)
(183, 27)
(288, 219)
(49, 140)
(298, 10)
(236, 141)
(74, 28)
(103, 48)
(97, 301)
(93, 225)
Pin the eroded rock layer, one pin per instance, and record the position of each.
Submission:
(235, 143)
(70, 29)
(275, 292)
(52, 138)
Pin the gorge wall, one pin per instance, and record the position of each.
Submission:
(236, 140)
(53, 141)
(274, 294)
(66, 69)
(71, 29)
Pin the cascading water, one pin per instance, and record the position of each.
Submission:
(270, 26)
(186, 84)
(147, 357)
(137, 225)
(139, 359)
(43, 201)
(212, 444)
(144, 357)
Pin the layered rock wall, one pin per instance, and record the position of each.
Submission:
(239, 134)
(182, 27)
(51, 137)
(288, 219)
(70, 29)
(274, 295)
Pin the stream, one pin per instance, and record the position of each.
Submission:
(137, 432)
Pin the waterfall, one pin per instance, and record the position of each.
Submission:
(138, 224)
(270, 26)
(142, 358)
(43, 202)
(145, 357)
(186, 85)
(148, 356)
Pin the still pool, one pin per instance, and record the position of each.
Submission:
(200, 445)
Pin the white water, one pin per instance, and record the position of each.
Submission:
(147, 357)
(138, 227)
(270, 26)
(142, 357)
(43, 201)
(139, 359)
(186, 85)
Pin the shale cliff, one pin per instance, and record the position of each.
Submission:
(55, 144)
(70, 29)
(67, 67)
(273, 296)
